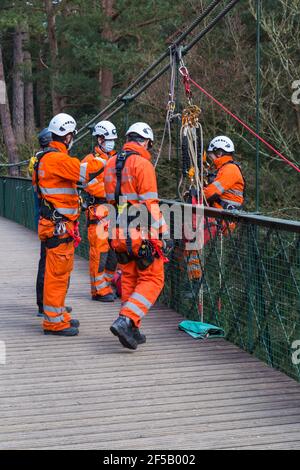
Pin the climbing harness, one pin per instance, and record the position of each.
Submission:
(149, 248)
(48, 211)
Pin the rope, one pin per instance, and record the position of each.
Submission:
(170, 109)
(192, 162)
(220, 273)
(248, 128)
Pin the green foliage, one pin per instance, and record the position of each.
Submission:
(129, 39)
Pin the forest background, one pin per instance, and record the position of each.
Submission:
(75, 56)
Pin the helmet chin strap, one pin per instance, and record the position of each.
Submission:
(70, 145)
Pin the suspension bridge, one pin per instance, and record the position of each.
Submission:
(71, 393)
(240, 392)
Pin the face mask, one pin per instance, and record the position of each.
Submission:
(109, 145)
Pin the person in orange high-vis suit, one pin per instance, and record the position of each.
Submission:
(130, 180)
(55, 179)
(227, 189)
(102, 258)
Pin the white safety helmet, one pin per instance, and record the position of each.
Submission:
(221, 142)
(105, 129)
(62, 124)
(142, 129)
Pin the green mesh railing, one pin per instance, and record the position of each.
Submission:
(16, 201)
(250, 277)
(250, 284)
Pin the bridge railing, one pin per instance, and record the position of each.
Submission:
(247, 279)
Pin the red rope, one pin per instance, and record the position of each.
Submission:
(245, 126)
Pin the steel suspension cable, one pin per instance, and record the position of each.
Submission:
(119, 98)
(186, 49)
(106, 117)
(211, 25)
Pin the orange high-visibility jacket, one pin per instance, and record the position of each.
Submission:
(58, 176)
(96, 186)
(228, 186)
(138, 183)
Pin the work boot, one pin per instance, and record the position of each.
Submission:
(138, 336)
(104, 298)
(65, 332)
(123, 328)
(75, 323)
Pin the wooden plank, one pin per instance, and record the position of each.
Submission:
(71, 393)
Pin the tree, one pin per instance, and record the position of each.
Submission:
(28, 90)
(5, 116)
(18, 84)
(106, 74)
(52, 38)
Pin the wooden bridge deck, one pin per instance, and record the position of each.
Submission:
(90, 393)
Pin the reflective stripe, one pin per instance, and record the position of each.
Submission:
(54, 319)
(219, 186)
(141, 299)
(235, 192)
(159, 223)
(50, 191)
(110, 276)
(83, 170)
(98, 278)
(195, 268)
(234, 203)
(134, 308)
(101, 160)
(129, 196)
(67, 211)
(94, 181)
(54, 309)
(102, 285)
(146, 196)
(132, 196)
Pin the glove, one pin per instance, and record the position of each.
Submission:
(168, 246)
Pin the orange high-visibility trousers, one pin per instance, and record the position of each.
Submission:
(140, 289)
(103, 262)
(59, 265)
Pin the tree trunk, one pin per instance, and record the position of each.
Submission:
(18, 86)
(51, 20)
(5, 119)
(106, 75)
(41, 95)
(29, 102)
